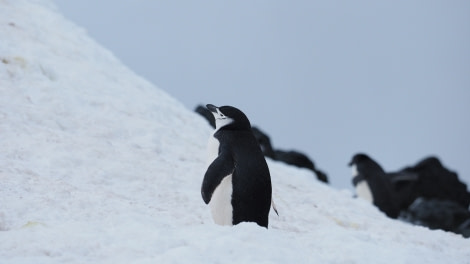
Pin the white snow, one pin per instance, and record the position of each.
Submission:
(97, 165)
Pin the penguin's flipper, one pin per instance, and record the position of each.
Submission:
(221, 167)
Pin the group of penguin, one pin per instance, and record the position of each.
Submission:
(426, 194)
(237, 183)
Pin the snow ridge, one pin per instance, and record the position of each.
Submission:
(99, 165)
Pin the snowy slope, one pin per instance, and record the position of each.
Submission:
(97, 165)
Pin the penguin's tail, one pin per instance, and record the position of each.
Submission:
(274, 206)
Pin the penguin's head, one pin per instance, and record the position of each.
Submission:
(229, 117)
(360, 176)
(363, 166)
(355, 161)
(359, 158)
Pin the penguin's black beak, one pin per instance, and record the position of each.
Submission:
(350, 163)
(212, 108)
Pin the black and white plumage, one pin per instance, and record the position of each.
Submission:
(291, 157)
(237, 183)
(372, 184)
(395, 192)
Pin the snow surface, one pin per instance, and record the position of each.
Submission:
(97, 165)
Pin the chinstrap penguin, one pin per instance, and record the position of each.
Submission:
(394, 192)
(292, 157)
(372, 184)
(237, 183)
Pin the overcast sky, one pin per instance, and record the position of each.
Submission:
(328, 78)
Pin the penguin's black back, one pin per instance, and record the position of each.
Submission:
(379, 184)
(251, 182)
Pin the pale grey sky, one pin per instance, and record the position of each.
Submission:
(328, 78)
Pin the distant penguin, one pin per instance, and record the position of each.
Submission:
(237, 183)
(372, 184)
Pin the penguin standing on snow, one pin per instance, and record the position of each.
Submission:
(237, 183)
(372, 184)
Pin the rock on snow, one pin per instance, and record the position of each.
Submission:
(97, 165)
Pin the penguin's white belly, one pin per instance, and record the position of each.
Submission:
(363, 191)
(221, 202)
(362, 188)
